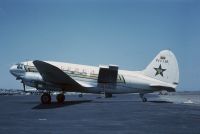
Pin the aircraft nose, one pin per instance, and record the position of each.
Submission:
(12, 69)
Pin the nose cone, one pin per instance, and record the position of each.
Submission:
(17, 70)
(12, 70)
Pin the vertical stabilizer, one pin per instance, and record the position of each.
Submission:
(164, 67)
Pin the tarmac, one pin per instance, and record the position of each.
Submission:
(91, 114)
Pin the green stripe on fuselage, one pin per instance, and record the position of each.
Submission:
(120, 78)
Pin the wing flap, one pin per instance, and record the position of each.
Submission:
(54, 75)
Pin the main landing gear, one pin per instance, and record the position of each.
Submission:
(108, 95)
(60, 98)
(143, 98)
(46, 98)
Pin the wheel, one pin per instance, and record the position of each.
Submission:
(80, 95)
(46, 98)
(60, 98)
(108, 95)
(144, 99)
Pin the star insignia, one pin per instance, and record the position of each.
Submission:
(159, 70)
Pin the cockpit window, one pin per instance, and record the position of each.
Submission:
(20, 66)
(30, 68)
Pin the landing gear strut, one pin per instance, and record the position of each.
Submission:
(143, 98)
(46, 98)
(60, 98)
(108, 95)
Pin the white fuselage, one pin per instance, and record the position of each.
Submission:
(87, 76)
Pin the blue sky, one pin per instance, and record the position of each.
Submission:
(128, 33)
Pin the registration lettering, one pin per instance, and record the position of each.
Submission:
(162, 61)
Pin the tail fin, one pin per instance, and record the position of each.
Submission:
(164, 67)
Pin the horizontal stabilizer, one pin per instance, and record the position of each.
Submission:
(159, 88)
(54, 75)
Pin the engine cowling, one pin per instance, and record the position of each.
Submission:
(32, 77)
(35, 80)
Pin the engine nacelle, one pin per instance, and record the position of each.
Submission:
(32, 77)
(35, 80)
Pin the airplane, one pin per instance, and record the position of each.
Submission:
(162, 74)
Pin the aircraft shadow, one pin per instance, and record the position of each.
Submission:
(57, 105)
(114, 101)
(160, 101)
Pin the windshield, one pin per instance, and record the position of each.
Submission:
(20, 66)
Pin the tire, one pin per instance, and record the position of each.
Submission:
(144, 99)
(108, 95)
(60, 98)
(80, 95)
(46, 98)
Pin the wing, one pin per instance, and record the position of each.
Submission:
(55, 75)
